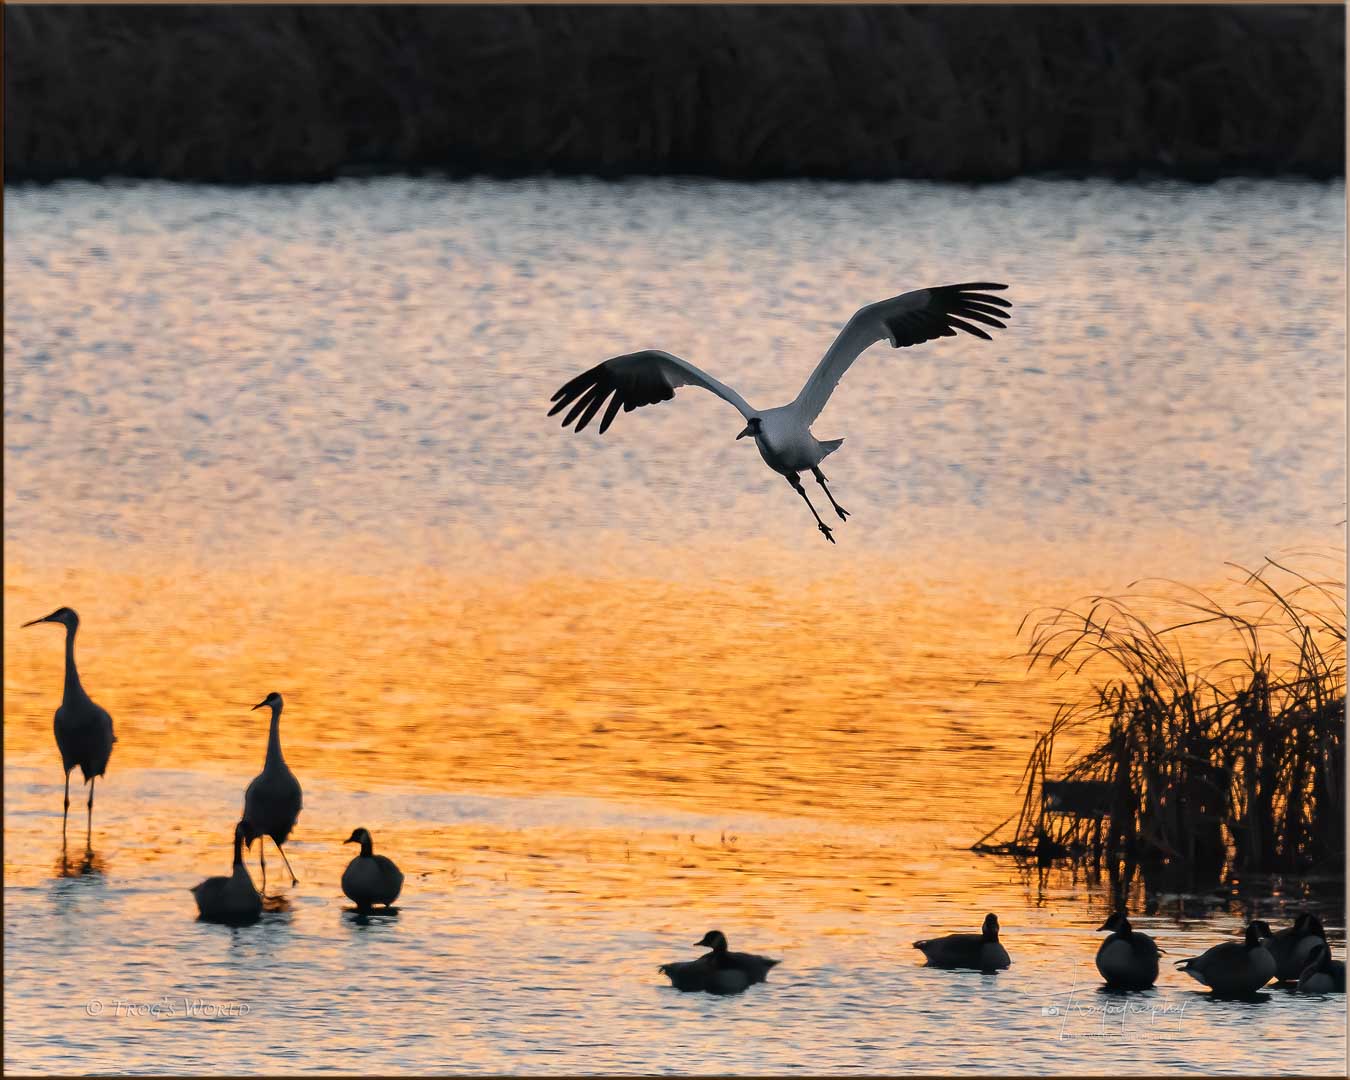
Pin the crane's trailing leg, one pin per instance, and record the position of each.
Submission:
(820, 479)
(262, 858)
(89, 826)
(66, 812)
(796, 482)
(294, 880)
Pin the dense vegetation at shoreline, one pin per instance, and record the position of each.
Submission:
(1195, 773)
(254, 93)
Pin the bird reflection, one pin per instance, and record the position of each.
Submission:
(87, 864)
(357, 917)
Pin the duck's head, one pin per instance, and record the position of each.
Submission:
(990, 927)
(272, 700)
(358, 836)
(1308, 923)
(1117, 921)
(1257, 931)
(715, 940)
(1320, 956)
(63, 615)
(751, 428)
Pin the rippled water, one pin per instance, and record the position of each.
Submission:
(597, 695)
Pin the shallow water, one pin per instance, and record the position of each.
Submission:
(597, 695)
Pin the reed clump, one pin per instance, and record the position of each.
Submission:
(261, 93)
(1194, 773)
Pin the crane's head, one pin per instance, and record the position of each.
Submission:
(273, 700)
(715, 940)
(1117, 921)
(63, 615)
(358, 836)
(752, 428)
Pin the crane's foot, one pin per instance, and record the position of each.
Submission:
(843, 514)
(829, 533)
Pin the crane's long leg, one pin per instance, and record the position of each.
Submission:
(262, 858)
(294, 880)
(796, 482)
(89, 826)
(820, 479)
(66, 812)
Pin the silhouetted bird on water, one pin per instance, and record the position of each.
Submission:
(272, 801)
(981, 951)
(1293, 947)
(369, 878)
(1323, 975)
(84, 731)
(1128, 959)
(1234, 968)
(230, 899)
(720, 971)
(783, 435)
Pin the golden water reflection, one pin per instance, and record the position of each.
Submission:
(578, 776)
(828, 698)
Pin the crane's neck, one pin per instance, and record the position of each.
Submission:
(274, 757)
(73, 687)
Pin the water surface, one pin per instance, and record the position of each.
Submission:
(598, 695)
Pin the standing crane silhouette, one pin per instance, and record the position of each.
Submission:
(84, 730)
(272, 800)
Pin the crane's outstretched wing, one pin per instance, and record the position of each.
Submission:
(635, 379)
(908, 319)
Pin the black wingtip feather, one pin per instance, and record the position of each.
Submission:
(950, 308)
(631, 387)
(968, 328)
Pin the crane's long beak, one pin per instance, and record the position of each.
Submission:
(45, 618)
(259, 705)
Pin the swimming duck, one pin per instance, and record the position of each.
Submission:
(231, 899)
(981, 951)
(1293, 947)
(1128, 959)
(1234, 969)
(369, 878)
(719, 971)
(1323, 975)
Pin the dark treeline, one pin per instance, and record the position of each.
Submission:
(242, 94)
